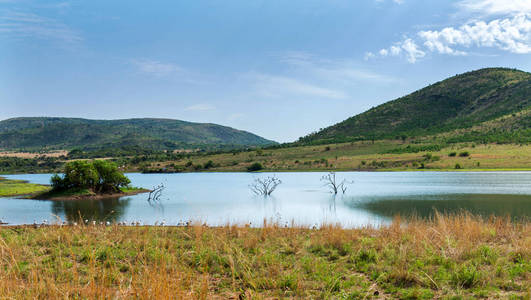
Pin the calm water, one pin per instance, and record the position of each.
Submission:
(220, 198)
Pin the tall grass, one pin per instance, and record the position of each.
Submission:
(450, 255)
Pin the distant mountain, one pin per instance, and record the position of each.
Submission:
(69, 133)
(470, 106)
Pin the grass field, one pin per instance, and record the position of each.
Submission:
(364, 156)
(451, 257)
(19, 187)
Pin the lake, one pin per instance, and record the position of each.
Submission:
(221, 198)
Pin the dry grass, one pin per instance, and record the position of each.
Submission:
(448, 256)
(57, 153)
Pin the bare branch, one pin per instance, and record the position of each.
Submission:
(330, 182)
(265, 186)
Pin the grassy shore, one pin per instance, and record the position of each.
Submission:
(19, 187)
(453, 257)
(360, 156)
(84, 194)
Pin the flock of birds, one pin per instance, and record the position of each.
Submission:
(46, 222)
(181, 223)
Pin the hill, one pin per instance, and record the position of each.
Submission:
(462, 107)
(160, 134)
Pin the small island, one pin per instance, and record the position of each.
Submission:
(89, 180)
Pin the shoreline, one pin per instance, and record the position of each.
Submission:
(45, 197)
(309, 171)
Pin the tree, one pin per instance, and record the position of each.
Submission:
(265, 186)
(110, 179)
(255, 167)
(330, 182)
(99, 176)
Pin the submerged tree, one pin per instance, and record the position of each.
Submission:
(265, 186)
(335, 186)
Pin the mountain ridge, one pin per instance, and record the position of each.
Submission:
(150, 133)
(459, 102)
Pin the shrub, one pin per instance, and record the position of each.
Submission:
(255, 167)
(458, 166)
(98, 176)
(209, 164)
(464, 154)
(452, 154)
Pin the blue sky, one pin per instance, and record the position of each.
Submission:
(280, 69)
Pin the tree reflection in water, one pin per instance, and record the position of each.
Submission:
(108, 209)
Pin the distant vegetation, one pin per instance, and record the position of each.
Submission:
(128, 135)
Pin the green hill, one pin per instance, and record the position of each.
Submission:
(159, 134)
(470, 106)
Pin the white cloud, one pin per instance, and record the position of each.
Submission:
(280, 86)
(511, 34)
(407, 48)
(28, 25)
(156, 68)
(497, 7)
(200, 107)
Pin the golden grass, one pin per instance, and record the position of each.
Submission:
(365, 156)
(458, 255)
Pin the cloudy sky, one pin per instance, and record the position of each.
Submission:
(281, 69)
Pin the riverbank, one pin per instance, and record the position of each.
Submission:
(449, 256)
(85, 194)
(356, 156)
(12, 188)
(386, 155)
(22, 188)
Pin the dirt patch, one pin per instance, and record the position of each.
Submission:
(47, 196)
(33, 155)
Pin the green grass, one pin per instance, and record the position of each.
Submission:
(361, 156)
(449, 257)
(19, 187)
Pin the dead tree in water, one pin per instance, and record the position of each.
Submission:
(155, 194)
(333, 185)
(266, 186)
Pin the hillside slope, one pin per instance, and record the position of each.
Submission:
(462, 101)
(68, 133)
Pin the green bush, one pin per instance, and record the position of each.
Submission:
(458, 166)
(209, 164)
(464, 154)
(452, 154)
(99, 176)
(255, 167)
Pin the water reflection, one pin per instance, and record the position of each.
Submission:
(220, 198)
(424, 206)
(109, 209)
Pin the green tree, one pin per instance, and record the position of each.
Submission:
(99, 176)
